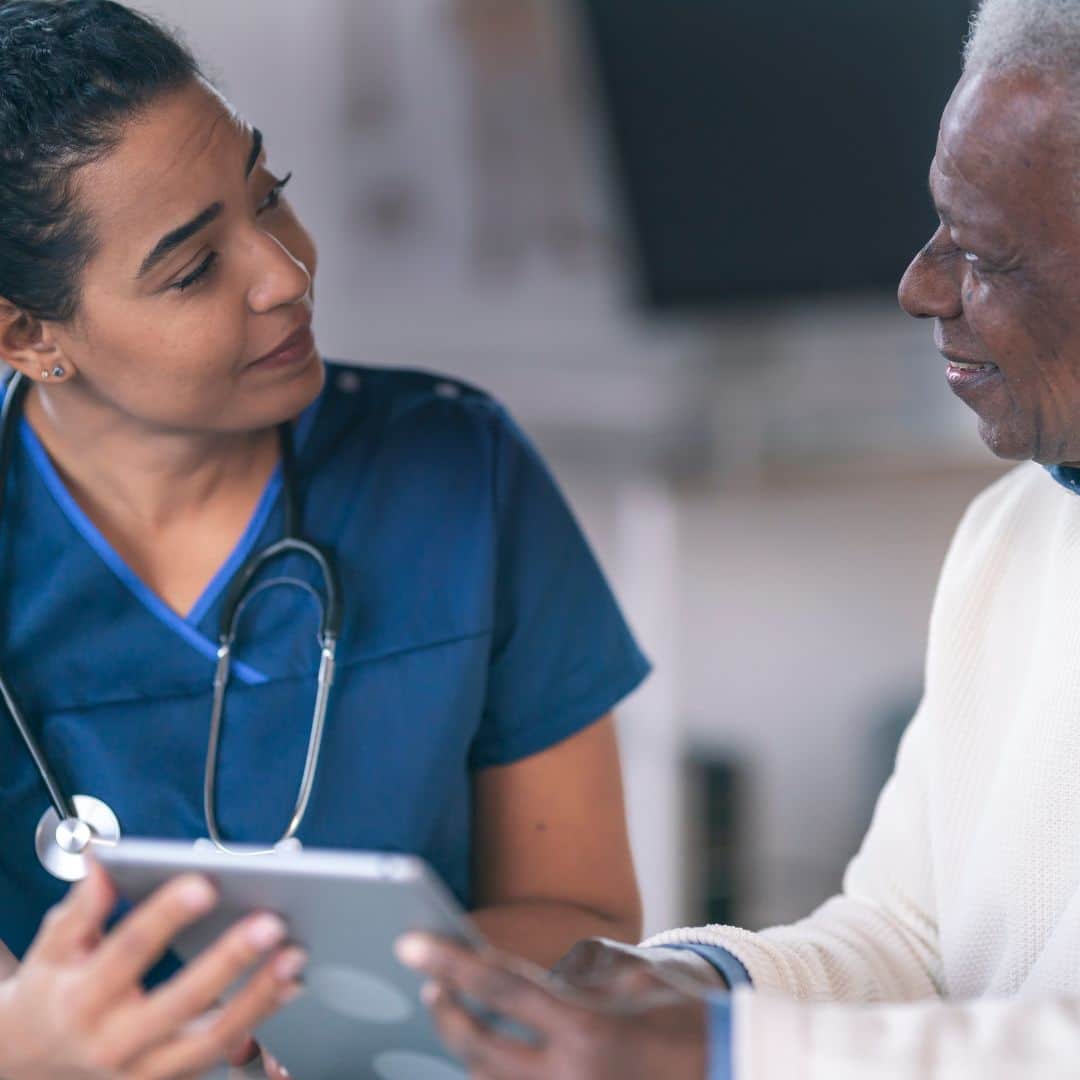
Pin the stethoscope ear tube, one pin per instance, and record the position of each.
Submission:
(17, 388)
(330, 620)
(330, 617)
(240, 586)
(241, 589)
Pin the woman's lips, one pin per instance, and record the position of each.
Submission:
(295, 349)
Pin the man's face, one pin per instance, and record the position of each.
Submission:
(1001, 275)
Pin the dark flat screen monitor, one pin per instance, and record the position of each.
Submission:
(769, 148)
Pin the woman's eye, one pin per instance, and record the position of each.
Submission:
(273, 197)
(970, 257)
(197, 274)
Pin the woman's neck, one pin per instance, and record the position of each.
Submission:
(144, 477)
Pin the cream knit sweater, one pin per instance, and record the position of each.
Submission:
(954, 950)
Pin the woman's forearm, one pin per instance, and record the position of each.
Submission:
(543, 931)
(541, 881)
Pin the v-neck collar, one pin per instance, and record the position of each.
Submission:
(186, 627)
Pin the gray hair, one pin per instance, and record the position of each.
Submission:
(1038, 35)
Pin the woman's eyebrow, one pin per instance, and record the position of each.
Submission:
(172, 240)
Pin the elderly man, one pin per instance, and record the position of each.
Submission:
(954, 949)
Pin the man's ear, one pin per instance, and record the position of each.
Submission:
(28, 345)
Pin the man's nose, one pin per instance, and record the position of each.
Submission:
(930, 288)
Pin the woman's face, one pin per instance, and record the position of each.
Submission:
(200, 273)
(1002, 273)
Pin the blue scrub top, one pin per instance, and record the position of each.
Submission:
(478, 630)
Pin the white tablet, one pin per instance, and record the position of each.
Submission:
(361, 1015)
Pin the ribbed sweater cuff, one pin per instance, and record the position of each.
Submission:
(759, 961)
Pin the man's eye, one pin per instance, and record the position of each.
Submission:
(273, 197)
(970, 257)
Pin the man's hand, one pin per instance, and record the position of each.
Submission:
(610, 967)
(579, 1034)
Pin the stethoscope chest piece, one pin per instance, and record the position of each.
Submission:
(62, 844)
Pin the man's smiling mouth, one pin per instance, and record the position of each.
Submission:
(968, 365)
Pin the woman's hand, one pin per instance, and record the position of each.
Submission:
(252, 1061)
(579, 1035)
(75, 1008)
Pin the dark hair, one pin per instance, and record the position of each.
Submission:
(72, 72)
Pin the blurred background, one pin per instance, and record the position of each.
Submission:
(668, 236)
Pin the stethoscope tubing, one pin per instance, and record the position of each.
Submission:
(9, 416)
(61, 854)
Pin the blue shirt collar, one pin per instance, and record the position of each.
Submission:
(1068, 476)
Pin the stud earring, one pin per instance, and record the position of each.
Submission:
(45, 374)
(58, 372)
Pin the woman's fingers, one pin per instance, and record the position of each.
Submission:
(245, 1053)
(199, 986)
(144, 935)
(208, 1042)
(262, 1065)
(273, 1068)
(76, 921)
(483, 1050)
(499, 984)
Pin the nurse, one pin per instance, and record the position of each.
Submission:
(157, 290)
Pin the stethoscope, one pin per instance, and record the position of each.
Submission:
(73, 823)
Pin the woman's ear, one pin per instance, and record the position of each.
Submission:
(28, 345)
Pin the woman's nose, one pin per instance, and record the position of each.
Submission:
(930, 287)
(282, 278)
